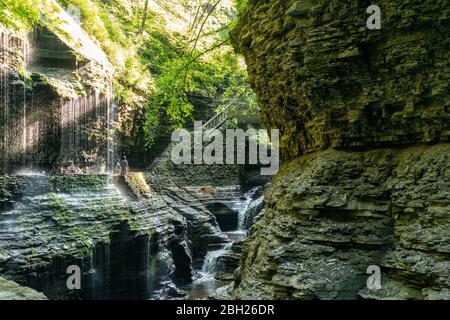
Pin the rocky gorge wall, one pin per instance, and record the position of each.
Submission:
(134, 237)
(56, 96)
(207, 196)
(139, 236)
(332, 214)
(364, 117)
(334, 83)
(128, 244)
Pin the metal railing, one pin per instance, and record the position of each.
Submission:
(214, 123)
(219, 119)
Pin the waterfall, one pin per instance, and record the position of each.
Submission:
(13, 112)
(86, 125)
(211, 262)
(24, 103)
(252, 211)
(147, 267)
(220, 261)
(116, 262)
(39, 127)
(111, 152)
(93, 277)
(99, 272)
(249, 209)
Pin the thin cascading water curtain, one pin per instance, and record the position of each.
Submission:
(4, 95)
(112, 107)
(38, 127)
(26, 117)
(87, 128)
(15, 131)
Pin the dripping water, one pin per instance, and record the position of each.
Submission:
(207, 283)
(38, 131)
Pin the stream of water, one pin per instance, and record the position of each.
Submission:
(206, 283)
(40, 129)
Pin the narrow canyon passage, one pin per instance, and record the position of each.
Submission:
(224, 150)
(61, 206)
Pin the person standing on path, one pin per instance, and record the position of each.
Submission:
(124, 167)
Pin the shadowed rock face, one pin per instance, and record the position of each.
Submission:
(197, 193)
(330, 83)
(331, 215)
(53, 98)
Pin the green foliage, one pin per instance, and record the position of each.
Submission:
(66, 222)
(182, 71)
(113, 24)
(240, 5)
(156, 71)
(158, 49)
(60, 214)
(19, 14)
(164, 58)
(240, 97)
(100, 24)
(152, 122)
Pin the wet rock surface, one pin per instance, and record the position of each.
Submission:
(135, 236)
(197, 192)
(229, 262)
(214, 200)
(54, 222)
(56, 87)
(138, 236)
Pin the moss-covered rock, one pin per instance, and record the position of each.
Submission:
(133, 184)
(332, 214)
(329, 84)
(10, 290)
(56, 80)
(332, 82)
(57, 221)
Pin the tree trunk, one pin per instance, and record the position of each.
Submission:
(144, 18)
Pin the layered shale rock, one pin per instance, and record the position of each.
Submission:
(208, 197)
(331, 215)
(332, 82)
(127, 248)
(364, 116)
